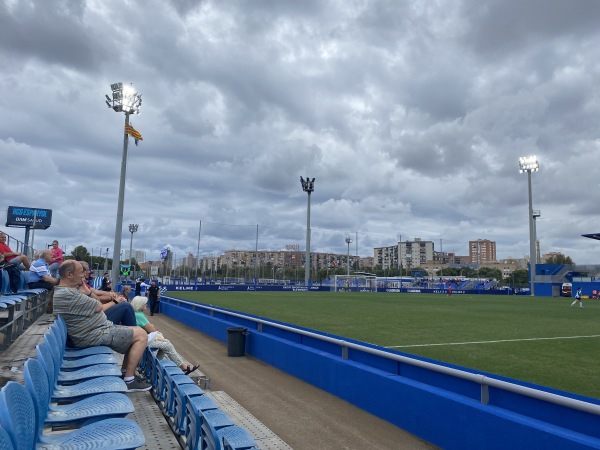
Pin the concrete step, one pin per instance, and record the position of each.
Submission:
(264, 437)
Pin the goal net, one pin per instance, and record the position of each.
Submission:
(355, 283)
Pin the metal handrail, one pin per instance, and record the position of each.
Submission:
(483, 380)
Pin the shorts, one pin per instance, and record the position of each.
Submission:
(118, 337)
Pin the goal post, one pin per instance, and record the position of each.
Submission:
(354, 283)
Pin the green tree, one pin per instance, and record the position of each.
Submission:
(490, 273)
(559, 259)
(518, 278)
(452, 272)
(81, 253)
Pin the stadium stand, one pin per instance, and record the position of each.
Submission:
(34, 412)
(18, 310)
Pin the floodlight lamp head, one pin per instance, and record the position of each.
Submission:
(528, 164)
(125, 98)
(308, 185)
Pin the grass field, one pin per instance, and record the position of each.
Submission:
(541, 340)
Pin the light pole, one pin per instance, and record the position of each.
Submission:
(106, 261)
(308, 186)
(133, 227)
(348, 241)
(530, 164)
(126, 100)
(536, 214)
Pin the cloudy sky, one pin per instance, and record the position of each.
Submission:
(411, 115)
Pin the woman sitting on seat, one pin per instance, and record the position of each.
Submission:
(164, 346)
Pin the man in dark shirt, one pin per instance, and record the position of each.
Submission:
(138, 286)
(106, 284)
(153, 294)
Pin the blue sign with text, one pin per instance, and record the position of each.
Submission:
(19, 216)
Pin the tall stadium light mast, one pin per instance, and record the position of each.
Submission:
(348, 241)
(536, 215)
(308, 186)
(124, 99)
(528, 164)
(133, 227)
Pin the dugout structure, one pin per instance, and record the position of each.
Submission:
(354, 283)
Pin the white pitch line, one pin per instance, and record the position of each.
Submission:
(494, 342)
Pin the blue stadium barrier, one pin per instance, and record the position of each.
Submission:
(450, 406)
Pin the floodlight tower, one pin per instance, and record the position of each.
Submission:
(124, 99)
(308, 186)
(536, 215)
(348, 241)
(530, 164)
(133, 227)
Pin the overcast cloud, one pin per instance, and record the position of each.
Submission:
(411, 115)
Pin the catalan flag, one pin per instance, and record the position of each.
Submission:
(135, 134)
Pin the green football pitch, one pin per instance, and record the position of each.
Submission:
(537, 339)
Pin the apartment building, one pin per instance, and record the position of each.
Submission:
(405, 254)
(482, 251)
(282, 259)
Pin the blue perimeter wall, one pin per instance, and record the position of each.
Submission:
(442, 409)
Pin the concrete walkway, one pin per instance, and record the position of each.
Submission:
(303, 416)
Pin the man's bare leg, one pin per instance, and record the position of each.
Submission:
(132, 358)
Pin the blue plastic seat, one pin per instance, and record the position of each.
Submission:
(74, 376)
(164, 368)
(212, 421)
(90, 409)
(5, 289)
(236, 438)
(147, 362)
(5, 442)
(182, 393)
(169, 400)
(18, 417)
(193, 431)
(155, 366)
(173, 381)
(72, 392)
(78, 362)
(24, 288)
(78, 352)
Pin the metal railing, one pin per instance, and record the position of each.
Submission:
(483, 380)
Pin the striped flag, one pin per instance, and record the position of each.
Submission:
(135, 134)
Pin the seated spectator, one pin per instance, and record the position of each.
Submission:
(57, 259)
(106, 283)
(126, 292)
(88, 326)
(164, 346)
(39, 276)
(13, 257)
(116, 307)
(39, 273)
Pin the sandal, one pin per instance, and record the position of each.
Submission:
(190, 369)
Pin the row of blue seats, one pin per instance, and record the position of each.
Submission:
(194, 417)
(81, 390)
(18, 309)
(78, 391)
